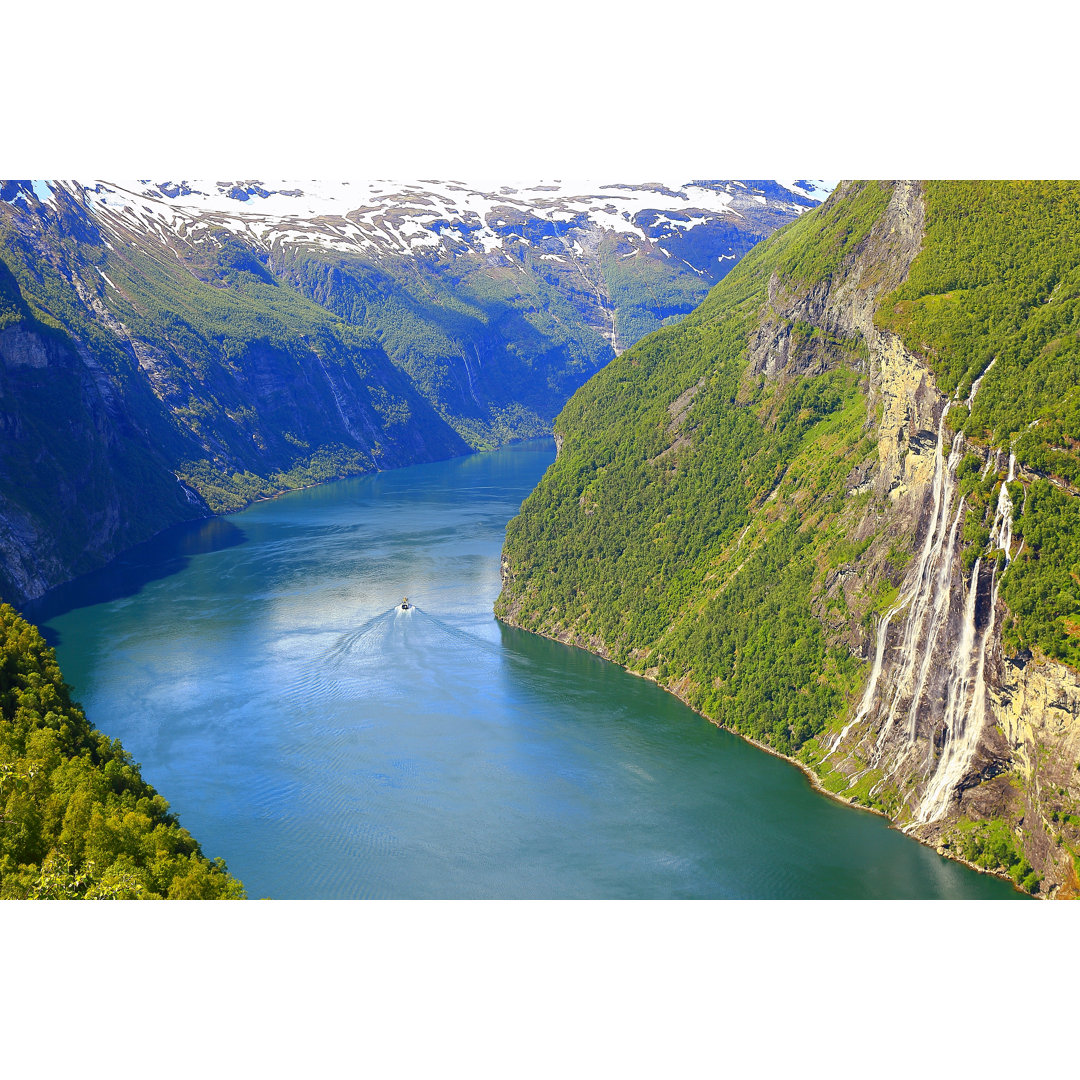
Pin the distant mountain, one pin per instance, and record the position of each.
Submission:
(174, 348)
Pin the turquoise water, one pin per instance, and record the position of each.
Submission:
(328, 744)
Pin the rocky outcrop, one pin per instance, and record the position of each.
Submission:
(1036, 707)
(79, 481)
(21, 348)
(948, 732)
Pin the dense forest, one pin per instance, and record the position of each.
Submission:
(77, 821)
(699, 505)
(693, 505)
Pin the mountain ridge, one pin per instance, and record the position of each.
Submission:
(186, 352)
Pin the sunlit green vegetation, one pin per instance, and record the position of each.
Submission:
(1042, 588)
(813, 255)
(76, 818)
(672, 452)
(993, 846)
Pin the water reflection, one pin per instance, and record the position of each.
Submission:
(328, 744)
(168, 553)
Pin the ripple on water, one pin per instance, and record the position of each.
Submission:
(328, 745)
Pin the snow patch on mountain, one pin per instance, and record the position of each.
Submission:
(818, 190)
(409, 218)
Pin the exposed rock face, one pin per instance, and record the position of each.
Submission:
(78, 480)
(843, 308)
(20, 348)
(948, 731)
(1037, 711)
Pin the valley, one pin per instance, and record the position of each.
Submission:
(185, 348)
(816, 471)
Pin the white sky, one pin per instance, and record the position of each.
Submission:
(517, 91)
(486, 87)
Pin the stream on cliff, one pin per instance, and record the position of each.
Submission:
(328, 744)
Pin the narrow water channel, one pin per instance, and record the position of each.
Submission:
(328, 744)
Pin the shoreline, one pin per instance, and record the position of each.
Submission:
(811, 776)
(29, 603)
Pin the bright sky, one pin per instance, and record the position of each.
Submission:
(573, 87)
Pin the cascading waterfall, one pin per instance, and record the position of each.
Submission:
(1001, 533)
(975, 385)
(965, 717)
(936, 619)
(469, 376)
(871, 687)
(924, 652)
(965, 714)
(927, 591)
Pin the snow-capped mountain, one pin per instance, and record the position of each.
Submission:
(244, 337)
(438, 217)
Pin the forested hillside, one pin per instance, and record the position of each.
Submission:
(788, 509)
(77, 821)
(658, 532)
(165, 354)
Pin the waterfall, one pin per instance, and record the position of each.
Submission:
(871, 686)
(975, 384)
(965, 718)
(1001, 533)
(928, 589)
(468, 375)
(937, 618)
(925, 657)
(955, 728)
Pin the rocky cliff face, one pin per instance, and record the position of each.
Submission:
(79, 482)
(172, 350)
(968, 745)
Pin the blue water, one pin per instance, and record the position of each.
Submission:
(328, 744)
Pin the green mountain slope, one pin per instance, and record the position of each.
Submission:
(76, 818)
(657, 531)
(741, 501)
(138, 389)
(162, 360)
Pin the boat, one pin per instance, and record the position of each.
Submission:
(404, 603)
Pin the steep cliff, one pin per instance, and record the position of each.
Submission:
(168, 352)
(797, 511)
